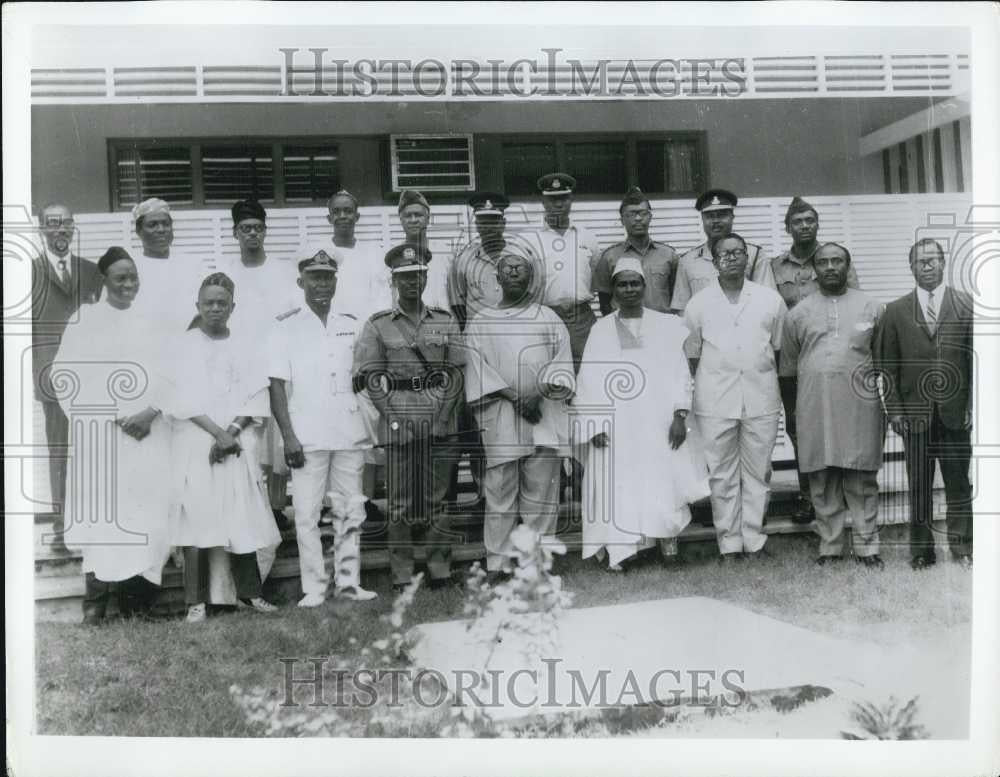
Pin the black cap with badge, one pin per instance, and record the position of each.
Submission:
(408, 257)
(556, 184)
(715, 199)
(488, 203)
(318, 258)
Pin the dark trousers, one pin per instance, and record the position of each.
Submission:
(579, 319)
(417, 476)
(470, 443)
(925, 444)
(246, 575)
(788, 386)
(135, 596)
(57, 439)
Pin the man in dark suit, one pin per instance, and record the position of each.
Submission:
(924, 351)
(61, 282)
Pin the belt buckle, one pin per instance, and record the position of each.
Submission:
(415, 383)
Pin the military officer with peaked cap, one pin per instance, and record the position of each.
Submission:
(472, 283)
(568, 256)
(696, 269)
(311, 353)
(658, 260)
(409, 358)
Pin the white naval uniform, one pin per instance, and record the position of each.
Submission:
(315, 362)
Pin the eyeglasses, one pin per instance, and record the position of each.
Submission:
(248, 229)
(932, 261)
(736, 253)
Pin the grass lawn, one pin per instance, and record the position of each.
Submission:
(172, 679)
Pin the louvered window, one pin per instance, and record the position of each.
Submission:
(310, 172)
(230, 173)
(432, 163)
(155, 171)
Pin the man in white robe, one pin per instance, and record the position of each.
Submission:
(518, 374)
(631, 414)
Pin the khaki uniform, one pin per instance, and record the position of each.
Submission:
(418, 471)
(695, 271)
(659, 263)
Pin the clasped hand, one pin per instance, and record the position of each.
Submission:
(225, 445)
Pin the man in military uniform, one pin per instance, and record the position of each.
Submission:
(410, 359)
(415, 218)
(795, 278)
(569, 254)
(659, 260)
(472, 283)
(696, 270)
(311, 351)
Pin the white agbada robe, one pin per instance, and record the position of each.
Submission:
(637, 488)
(224, 504)
(116, 489)
(171, 289)
(518, 348)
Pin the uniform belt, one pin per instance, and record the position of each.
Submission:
(415, 383)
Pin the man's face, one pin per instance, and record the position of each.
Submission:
(928, 266)
(557, 206)
(831, 265)
(730, 258)
(343, 214)
(514, 276)
(803, 227)
(156, 231)
(319, 287)
(490, 228)
(57, 227)
(717, 223)
(414, 219)
(628, 289)
(250, 233)
(410, 285)
(121, 282)
(215, 305)
(635, 219)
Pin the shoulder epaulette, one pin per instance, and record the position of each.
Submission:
(287, 314)
(440, 310)
(380, 314)
(349, 315)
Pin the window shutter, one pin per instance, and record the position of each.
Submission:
(311, 172)
(431, 163)
(163, 172)
(231, 173)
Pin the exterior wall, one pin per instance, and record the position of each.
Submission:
(759, 148)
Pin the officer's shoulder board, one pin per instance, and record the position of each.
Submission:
(287, 314)
(348, 315)
(440, 310)
(380, 314)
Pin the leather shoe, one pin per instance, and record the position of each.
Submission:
(921, 562)
(804, 513)
(965, 559)
(872, 562)
(823, 560)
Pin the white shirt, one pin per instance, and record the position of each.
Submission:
(55, 260)
(923, 296)
(168, 289)
(315, 362)
(364, 283)
(262, 293)
(737, 376)
(568, 259)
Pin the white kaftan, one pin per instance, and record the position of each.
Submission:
(637, 488)
(108, 367)
(223, 504)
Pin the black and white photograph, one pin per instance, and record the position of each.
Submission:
(385, 380)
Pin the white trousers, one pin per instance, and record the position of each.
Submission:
(527, 488)
(340, 474)
(738, 454)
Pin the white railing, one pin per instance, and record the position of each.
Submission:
(861, 75)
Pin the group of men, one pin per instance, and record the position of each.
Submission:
(431, 357)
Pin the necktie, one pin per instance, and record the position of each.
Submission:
(931, 314)
(63, 272)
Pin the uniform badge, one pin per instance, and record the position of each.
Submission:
(409, 254)
(715, 201)
(556, 184)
